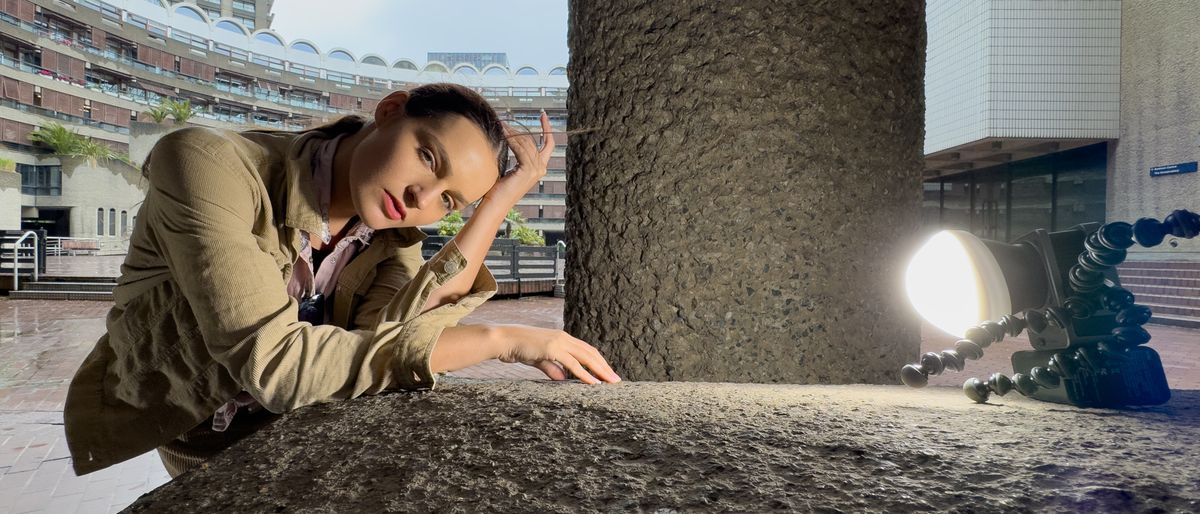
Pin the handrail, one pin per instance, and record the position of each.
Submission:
(17, 249)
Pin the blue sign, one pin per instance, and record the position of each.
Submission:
(1173, 169)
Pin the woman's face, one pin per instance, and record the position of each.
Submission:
(410, 172)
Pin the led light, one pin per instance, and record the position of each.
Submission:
(955, 283)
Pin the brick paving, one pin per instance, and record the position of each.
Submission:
(42, 343)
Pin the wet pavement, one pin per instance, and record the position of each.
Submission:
(42, 343)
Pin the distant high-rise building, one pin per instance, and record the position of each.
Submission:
(254, 14)
(477, 59)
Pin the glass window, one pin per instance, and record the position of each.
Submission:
(267, 37)
(124, 223)
(301, 69)
(99, 222)
(112, 222)
(558, 71)
(269, 62)
(956, 202)
(188, 12)
(931, 206)
(233, 52)
(110, 11)
(1081, 187)
(989, 213)
(466, 70)
(304, 47)
(247, 22)
(374, 61)
(1032, 197)
(344, 78)
(189, 38)
(527, 72)
(496, 72)
(230, 26)
(243, 5)
(341, 56)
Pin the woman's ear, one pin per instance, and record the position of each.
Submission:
(391, 108)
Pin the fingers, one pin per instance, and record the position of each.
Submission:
(571, 363)
(551, 369)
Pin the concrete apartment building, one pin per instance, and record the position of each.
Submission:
(97, 66)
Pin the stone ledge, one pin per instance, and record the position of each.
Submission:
(525, 446)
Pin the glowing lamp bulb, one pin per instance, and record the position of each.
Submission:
(955, 282)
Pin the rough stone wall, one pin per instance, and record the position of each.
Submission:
(1160, 116)
(743, 209)
(697, 448)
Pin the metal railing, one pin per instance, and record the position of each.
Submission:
(17, 246)
(509, 260)
(72, 245)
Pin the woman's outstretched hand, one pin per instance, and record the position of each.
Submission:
(557, 353)
(531, 163)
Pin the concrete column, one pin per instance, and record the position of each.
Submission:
(746, 202)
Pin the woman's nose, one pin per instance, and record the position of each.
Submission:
(422, 197)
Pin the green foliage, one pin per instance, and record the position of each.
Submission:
(159, 112)
(451, 224)
(528, 236)
(522, 233)
(180, 110)
(68, 143)
(8, 165)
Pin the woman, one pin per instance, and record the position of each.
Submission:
(272, 270)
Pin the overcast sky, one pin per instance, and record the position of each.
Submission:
(529, 31)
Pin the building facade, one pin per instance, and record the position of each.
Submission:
(1022, 111)
(98, 67)
(1046, 114)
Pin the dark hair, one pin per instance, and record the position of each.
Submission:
(443, 98)
(434, 101)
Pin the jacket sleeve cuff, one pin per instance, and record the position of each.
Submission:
(417, 333)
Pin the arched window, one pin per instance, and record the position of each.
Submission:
(558, 71)
(124, 223)
(373, 60)
(404, 65)
(267, 37)
(304, 47)
(189, 12)
(466, 70)
(99, 222)
(341, 56)
(112, 222)
(496, 71)
(230, 26)
(436, 67)
(527, 72)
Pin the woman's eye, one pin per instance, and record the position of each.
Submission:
(426, 156)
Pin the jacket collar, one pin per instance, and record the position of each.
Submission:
(301, 202)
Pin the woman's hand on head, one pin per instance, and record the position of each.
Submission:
(531, 163)
(558, 355)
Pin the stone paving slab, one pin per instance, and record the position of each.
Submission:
(42, 343)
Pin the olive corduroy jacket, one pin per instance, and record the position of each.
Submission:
(202, 312)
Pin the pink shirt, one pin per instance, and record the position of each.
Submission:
(305, 282)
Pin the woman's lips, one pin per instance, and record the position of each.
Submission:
(392, 207)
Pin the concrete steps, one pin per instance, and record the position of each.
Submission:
(66, 288)
(1170, 288)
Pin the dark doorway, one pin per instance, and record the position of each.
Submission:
(56, 222)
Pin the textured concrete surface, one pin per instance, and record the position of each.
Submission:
(1160, 117)
(502, 446)
(740, 209)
